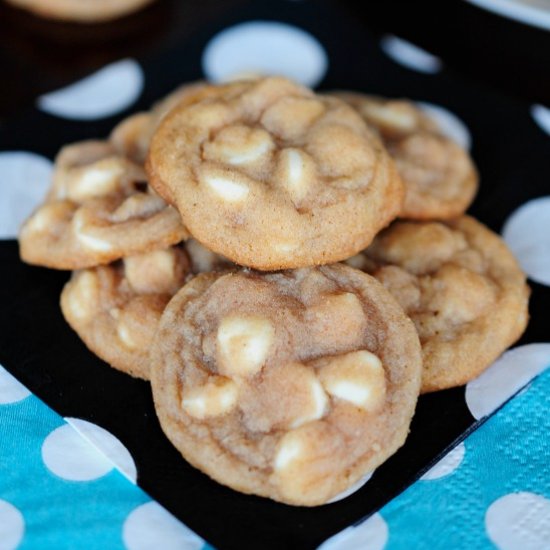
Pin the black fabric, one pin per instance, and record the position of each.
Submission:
(39, 348)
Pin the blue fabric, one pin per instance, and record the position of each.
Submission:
(491, 491)
(508, 454)
(58, 513)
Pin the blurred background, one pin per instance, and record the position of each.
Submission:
(39, 55)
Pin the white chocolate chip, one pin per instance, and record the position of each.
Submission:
(318, 403)
(44, 218)
(398, 116)
(138, 205)
(126, 336)
(218, 396)
(152, 272)
(227, 188)
(100, 179)
(83, 297)
(296, 173)
(305, 457)
(202, 259)
(238, 145)
(249, 155)
(290, 449)
(357, 377)
(295, 167)
(286, 395)
(355, 393)
(244, 344)
(92, 243)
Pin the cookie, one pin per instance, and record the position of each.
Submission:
(82, 11)
(115, 309)
(271, 176)
(439, 176)
(462, 288)
(288, 385)
(98, 209)
(131, 137)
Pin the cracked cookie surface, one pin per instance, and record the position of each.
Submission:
(439, 176)
(289, 385)
(461, 286)
(98, 209)
(272, 176)
(131, 137)
(115, 309)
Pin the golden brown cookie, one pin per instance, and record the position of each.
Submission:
(98, 209)
(460, 285)
(439, 176)
(115, 309)
(288, 385)
(131, 137)
(82, 11)
(272, 176)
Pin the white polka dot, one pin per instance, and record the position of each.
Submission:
(11, 390)
(107, 444)
(353, 489)
(448, 123)
(527, 233)
(409, 55)
(104, 93)
(150, 527)
(67, 454)
(371, 534)
(267, 48)
(519, 521)
(531, 12)
(12, 526)
(505, 377)
(24, 180)
(541, 115)
(447, 465)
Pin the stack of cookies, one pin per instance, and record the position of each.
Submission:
(206, 236)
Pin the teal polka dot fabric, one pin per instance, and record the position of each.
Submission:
(491, 491)
(58, 491)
